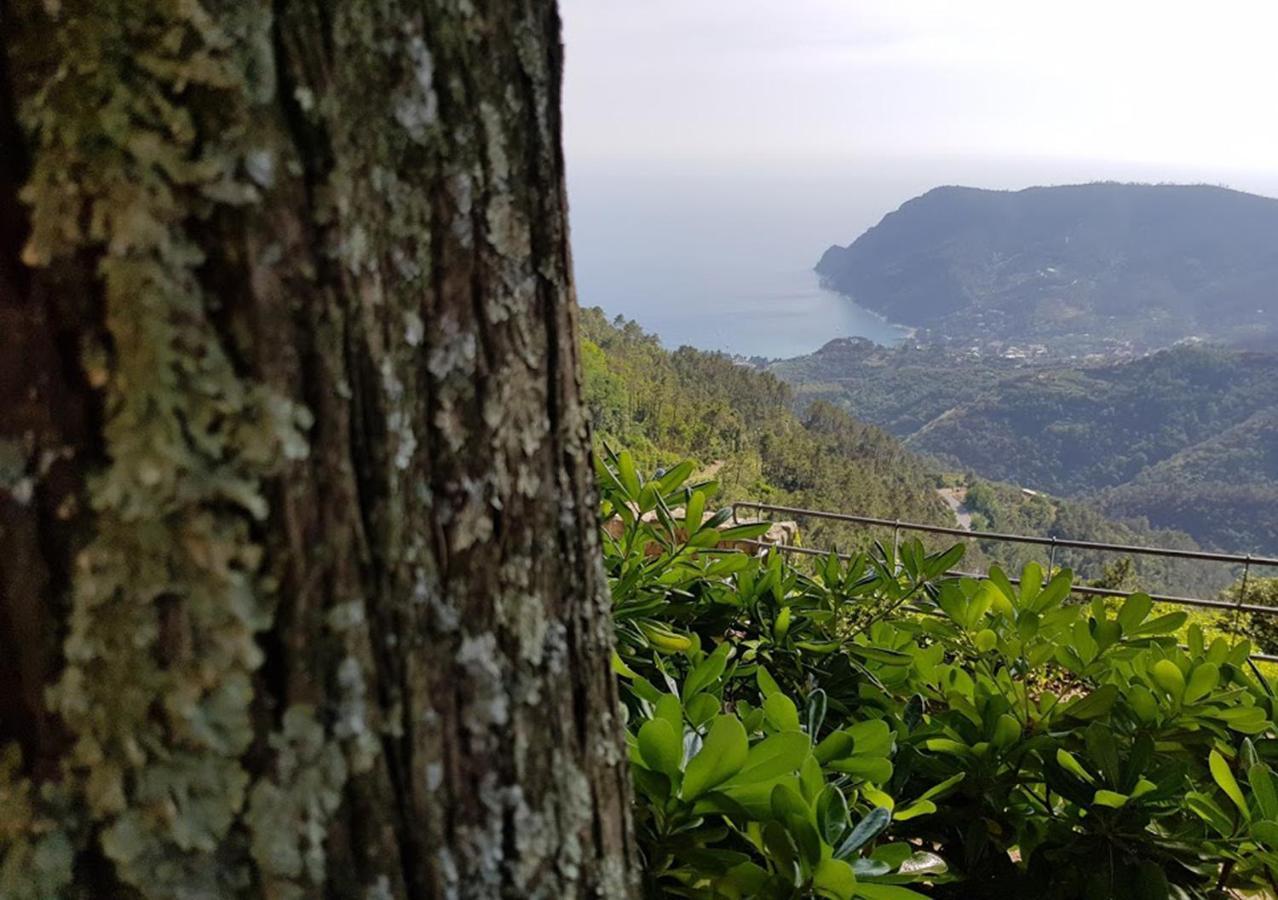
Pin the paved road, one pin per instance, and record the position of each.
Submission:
(954, 498)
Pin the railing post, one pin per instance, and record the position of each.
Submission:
(1051, 559)
(1242, 594)
(896, 541)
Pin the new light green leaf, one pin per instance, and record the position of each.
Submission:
(1134, 610)
(781, 712)
(1167, 675)
(1202, 681)
(1067, 762)
(1112, 799)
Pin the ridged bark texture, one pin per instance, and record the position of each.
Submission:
(300, 592)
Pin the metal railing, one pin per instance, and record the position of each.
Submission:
(1247, 561)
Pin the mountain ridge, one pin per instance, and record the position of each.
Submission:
(1103, 264)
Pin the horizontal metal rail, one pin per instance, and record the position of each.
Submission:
(1076, 589)
(1247, 561)
(1063, 543)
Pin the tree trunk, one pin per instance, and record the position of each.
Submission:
(300, 593)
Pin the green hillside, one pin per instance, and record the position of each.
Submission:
(1184, 437)
(740, 425)
(665, 406)
(1225, 488)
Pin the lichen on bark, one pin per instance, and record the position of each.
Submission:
(338, 625)
(168, 596)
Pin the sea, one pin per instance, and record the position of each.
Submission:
(719, 261)
(721, 256)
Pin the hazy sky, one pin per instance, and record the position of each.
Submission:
(1183, 89)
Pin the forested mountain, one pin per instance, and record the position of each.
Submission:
(1185, 437)
(1096, 264)
(665, 406)
(740, 424)
(1224, 489)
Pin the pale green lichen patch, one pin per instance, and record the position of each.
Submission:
(141, 128)
(38, 851)
(288, 813)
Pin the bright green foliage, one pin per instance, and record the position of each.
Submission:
(1261, 629)
(963, 737)
(666, 406)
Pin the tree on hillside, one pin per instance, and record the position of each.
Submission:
(300, 593)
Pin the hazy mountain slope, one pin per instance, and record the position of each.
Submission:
(1071, 431)
(901, 390)
(1184, 437)
(1224, 489)
(1145, 263)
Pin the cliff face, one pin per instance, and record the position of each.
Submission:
(1145, 263)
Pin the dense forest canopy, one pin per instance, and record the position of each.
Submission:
(1184, 437)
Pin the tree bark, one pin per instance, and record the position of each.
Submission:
(300, 593)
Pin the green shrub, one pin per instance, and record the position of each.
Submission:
(870, 727)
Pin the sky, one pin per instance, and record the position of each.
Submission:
(1166, 90)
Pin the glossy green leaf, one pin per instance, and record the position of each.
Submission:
(675, 476)
(708, 672)
(1102, 750)
(836, 745)
(1202, 681)
(789, 807)
(1261, 780)
(702, 708)
(1266, 831)
(1093, 705)
(660, 748)
(781, 712)
(722, 755)
(870, 827)
(940, 788)
(831, 813)
(1165, 624)
(835, 879)
(1167, 675)
(1224, 777)
(775, 755)
(1133, 611)
(1006, 731)
(767, 684)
